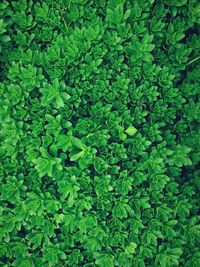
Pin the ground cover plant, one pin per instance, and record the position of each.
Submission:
(99, 133)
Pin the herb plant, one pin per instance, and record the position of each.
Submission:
(99, 116)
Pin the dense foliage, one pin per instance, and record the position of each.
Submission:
(99, 116)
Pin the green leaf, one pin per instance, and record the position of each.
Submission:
(130, 249)
(76, 154)
(104, 260)
(52, 94)
(44, 166)
(131, 130)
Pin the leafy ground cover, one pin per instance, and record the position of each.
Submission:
(99, 132)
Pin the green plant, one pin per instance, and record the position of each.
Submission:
(99, 115)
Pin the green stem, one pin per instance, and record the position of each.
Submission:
(193, 60)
